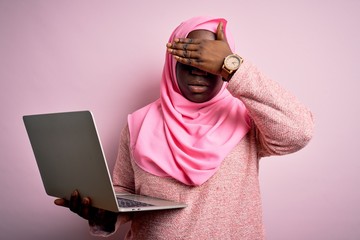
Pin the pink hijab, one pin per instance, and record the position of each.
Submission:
(174, 137)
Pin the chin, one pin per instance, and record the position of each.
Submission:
(199, 99)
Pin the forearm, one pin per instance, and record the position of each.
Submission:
(284, 125)
(123, 174)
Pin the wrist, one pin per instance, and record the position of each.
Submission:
(230, 65)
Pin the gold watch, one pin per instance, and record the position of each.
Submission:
(230, 65)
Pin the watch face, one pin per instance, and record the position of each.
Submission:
(232, 62)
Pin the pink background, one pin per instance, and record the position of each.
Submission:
(107, 56)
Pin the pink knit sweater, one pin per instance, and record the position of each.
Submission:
(228, 205)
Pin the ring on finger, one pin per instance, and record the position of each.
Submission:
(184, 54)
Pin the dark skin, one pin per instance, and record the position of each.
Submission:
(197, 85)
(199, 60)
(205, 54)
(95, 216)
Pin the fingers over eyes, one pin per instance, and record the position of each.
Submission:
(188, 61)
(185, 44)
(187, 40)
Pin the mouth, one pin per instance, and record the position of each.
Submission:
(198, 88)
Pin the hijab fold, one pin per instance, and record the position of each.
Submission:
(174, 137)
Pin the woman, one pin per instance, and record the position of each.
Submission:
(201, 142)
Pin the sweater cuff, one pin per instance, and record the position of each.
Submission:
(239, 76)
(99, 231)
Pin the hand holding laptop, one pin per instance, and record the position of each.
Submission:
(63, 143)
(82, 207)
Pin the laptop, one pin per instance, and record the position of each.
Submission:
(70, 156)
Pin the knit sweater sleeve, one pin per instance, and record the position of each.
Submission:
(283, 125)
(123, 174)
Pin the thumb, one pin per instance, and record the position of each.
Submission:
(220, 35)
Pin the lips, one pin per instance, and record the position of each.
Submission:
(198, 87)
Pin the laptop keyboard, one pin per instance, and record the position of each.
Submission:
(131, 203)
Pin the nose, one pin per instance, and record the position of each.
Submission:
(196, 71)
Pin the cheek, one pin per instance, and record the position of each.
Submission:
(181, 76)
(182, 87)
(218, 84)
(179, 84)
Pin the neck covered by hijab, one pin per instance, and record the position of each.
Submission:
(174, 137)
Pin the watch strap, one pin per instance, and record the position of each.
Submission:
(227, 73)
